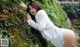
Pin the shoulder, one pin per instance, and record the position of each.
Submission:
(41, 12)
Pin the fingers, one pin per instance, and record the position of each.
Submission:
(28, 16)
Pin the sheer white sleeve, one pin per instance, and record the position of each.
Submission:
(41, 21)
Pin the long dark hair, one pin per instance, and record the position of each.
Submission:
(35, 5)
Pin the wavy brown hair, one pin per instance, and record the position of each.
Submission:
(35, 5)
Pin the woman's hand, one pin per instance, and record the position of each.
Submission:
(23, 5)
(28, 16)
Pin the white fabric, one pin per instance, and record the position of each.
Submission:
(48, 30)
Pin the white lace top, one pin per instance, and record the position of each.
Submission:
(48, 30)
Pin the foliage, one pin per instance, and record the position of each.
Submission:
(69, 0)
(72, 10)
(13, 23)
(56, 13)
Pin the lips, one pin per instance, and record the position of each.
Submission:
(33, 13)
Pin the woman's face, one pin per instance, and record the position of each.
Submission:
(33, 11)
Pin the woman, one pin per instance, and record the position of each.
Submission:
(36, 33)
(59, 37)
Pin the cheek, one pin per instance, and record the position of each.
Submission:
(35, 11)
(30, 11)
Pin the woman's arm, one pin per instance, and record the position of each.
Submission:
(40, 24)
(35, 25)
